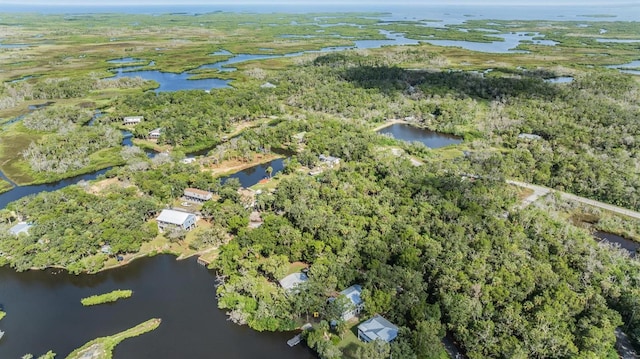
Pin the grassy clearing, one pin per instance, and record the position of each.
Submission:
(106, 298)
(102, 348)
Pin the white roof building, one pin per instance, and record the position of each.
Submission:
(132, 120)
(176, 219)
(21, 227)
(268, 85)
(293, 280)
(353, 293)
(529, 136)
(377, 328)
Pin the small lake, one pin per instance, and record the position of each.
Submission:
(559, 80)
(624, 243)
(410, 133)
(44, 313)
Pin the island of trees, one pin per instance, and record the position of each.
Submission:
(439, 242)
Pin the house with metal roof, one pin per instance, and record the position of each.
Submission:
(21, 227)
(132, 120)
(353, 293)
(377, 328)
(197, 195)
(171, 219)
(155, 134)
(293, 280)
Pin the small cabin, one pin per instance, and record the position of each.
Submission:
(132, 120)
(154, 134)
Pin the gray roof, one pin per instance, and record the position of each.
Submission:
(268, 85)
(328, 158)
(353, 293)
(173, 217)
(21, 227)
(293, 280)
(378, 328)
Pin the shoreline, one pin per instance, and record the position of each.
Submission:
(389, 123)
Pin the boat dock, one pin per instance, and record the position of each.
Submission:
(298, 338)
(295, 340)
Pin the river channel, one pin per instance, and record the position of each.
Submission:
(44, 313)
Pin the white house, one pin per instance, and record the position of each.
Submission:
(155, 134)
(353, 293)
(170, 218)
(268, 85)
(377, 328)
(197, 195)
(529, 137)
(293, 280)
(21, 227)
(132, 120)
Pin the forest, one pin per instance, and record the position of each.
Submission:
(438, 241)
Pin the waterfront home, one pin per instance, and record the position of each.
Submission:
(21, 227)
(172, 219)
(529, 137)
(290, 282)
(356, 304)
(154, 134)
(329, 160)
(132, 120)
(197, 195)
(377, 328)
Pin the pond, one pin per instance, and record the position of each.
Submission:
(44, 313)
(559, 80)
(252, 175)
(626, 244)
(410, 133)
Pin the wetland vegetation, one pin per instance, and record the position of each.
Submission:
(435, 236)
(106, 297)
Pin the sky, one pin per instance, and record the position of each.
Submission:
(316, 2)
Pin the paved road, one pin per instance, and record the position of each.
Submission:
(540, 191)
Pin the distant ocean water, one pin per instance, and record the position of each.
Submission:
(446, 13)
